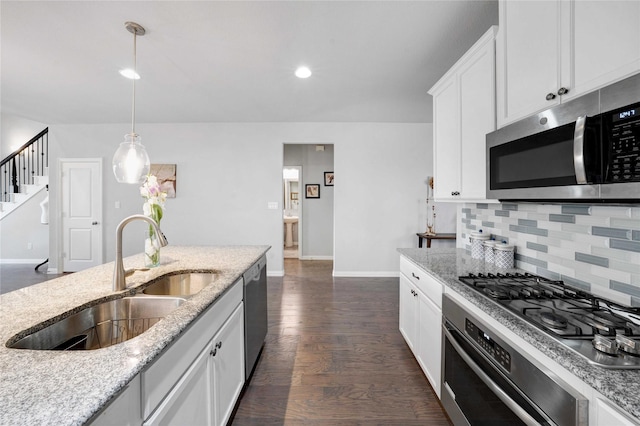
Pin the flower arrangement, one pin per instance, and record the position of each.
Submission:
(152, 207)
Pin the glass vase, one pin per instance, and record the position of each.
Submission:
(152, 247)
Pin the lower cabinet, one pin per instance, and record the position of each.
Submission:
(206, 393)
(420, 320)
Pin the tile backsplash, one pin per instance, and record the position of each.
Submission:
(592, 247)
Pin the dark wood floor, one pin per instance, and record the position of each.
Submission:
(16, 276)
(334, 356)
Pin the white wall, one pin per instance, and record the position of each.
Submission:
(15, 132)
(22, 228)
(317, 214)
(228, 173)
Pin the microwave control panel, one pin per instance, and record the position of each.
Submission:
(623, 128)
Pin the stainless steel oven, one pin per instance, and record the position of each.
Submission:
(486, 381)
(587, 149)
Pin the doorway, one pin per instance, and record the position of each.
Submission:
(81, 208)
(308, 202)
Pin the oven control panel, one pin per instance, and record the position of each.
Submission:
(623, 135)
(490, 346)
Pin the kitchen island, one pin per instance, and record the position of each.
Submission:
(55, 387)
(620, 386)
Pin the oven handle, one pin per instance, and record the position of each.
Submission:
(513, 406)
(578, 150)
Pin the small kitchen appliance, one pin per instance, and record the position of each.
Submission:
(587, 149)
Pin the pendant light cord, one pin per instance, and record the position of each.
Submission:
(133, 103)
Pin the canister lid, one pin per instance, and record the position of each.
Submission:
(504, 247)
(489, 243)
(479, 235)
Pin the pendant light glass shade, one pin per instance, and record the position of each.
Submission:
(130, 162)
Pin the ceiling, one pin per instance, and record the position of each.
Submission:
(232, 61)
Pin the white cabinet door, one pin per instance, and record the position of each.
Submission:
(190, 402)
(446, 147)
(606, 43)
(608, 415)
(429, 353)
(408, 314)
(528, 60)
(124, 410)
(463, 114)
(477, 118)
(228, 365)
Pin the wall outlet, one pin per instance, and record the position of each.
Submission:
(272, 205)
(29, 246)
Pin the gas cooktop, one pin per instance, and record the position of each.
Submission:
(606, 333)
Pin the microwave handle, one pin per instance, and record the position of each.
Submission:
(578, 150)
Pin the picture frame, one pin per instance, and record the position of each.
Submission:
(166, 175)
(328, 178)
(312, 190)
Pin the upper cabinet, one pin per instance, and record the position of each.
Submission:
(463, 113)
(548, 52)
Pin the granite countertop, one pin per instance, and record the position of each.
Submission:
(53, 387)
(621, 386)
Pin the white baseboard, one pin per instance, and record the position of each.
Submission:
(366, 274)
(275, 273)
(21, 261)
(52, 271)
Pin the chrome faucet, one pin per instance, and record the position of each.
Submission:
(119, 282)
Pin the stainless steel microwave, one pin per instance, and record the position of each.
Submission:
(587, 149)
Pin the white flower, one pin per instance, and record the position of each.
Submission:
(146, 209)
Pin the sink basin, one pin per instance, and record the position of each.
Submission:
(102, 325)
(183, 285)
(290, 219)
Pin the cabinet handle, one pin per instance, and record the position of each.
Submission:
(550, 96)
(563, 91)
(455, 193)
(213, 352)
(219, 344)
(415, 276)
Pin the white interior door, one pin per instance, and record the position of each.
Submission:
(81, 188)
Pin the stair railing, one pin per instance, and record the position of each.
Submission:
(20, 168)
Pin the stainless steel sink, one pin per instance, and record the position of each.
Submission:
(184, 285)
(102, 325)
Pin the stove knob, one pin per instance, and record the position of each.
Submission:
(627, 344)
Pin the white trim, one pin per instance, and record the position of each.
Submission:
(52, 271)
(367, 274)
(316, 257)
(21, 261)
(275, 273)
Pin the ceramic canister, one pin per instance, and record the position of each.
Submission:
(476, 239)
(489, 251)
(504, 255)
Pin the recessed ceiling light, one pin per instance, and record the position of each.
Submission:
(130, 74)
(303, 72)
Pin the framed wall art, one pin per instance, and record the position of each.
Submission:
(312, 190)
(328, 178)
(166, 174)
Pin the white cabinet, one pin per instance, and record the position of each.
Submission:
(124, 410)
(206, 393)
(421, 319)
(548, 52)
(463, 113)
(607, 414)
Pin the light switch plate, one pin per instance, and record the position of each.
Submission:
(272, 205)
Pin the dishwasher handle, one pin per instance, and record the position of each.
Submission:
(506, 399)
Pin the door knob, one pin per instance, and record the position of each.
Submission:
(94, 223)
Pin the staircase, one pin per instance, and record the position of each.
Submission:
(24, 173)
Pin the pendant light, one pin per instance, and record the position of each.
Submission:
(131, 162)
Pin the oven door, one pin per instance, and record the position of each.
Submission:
(475, 392)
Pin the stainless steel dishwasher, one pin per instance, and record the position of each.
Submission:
(255, 313)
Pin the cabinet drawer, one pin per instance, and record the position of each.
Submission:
(431, 287)
(164, 373)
